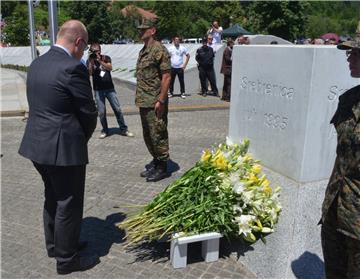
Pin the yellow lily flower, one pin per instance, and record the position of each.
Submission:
(247, 157)
(206, 155)
(265, 183)
(256, 169)
(267, 188)
(252, 178)
(220, 162)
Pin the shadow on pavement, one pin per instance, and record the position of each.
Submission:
(102, 234)
(308, 266)
(155, 251)
(230, 246)
(172, 166)
(160, 251)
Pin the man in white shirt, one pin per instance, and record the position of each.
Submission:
(178, 65)
(216, 32)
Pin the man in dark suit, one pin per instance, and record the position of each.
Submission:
(226, 69)
(62, 118)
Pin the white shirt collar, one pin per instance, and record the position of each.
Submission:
(64, 48)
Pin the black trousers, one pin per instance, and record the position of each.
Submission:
(63, 209)
(207, 73)
(226, 94)
(180, 73)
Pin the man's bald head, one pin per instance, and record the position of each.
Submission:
(71, 30)
(74, 37)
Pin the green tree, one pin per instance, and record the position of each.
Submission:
(17, 26)
(95, 16)
(285, 19)
(334, 17)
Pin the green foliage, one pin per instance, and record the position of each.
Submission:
(187, 19)
(15, 67)
(335, 17)
(7, 8)
(17, 26)
(95, 15)
(285, 19)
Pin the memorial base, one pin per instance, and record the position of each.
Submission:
(294, 249)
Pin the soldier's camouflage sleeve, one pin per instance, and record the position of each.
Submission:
(344, 184)
(163, 59)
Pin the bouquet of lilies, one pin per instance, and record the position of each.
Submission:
(224, 192)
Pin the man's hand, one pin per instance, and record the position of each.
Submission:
(159, 109)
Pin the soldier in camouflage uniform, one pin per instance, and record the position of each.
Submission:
(340, 232)
(153, 79)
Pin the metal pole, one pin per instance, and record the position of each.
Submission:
(53, 24)
(32, 29)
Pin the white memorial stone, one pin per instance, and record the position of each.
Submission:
(283, 98)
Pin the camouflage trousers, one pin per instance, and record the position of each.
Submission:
(341, 253)
(155, 133)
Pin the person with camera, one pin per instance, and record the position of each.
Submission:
(100, 67)
(216, 32)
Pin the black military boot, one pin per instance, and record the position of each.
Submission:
(159, 173)
(149, 168)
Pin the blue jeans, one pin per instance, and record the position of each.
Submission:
(100, 96)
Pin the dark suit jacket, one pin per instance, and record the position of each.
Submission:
(62, 112)
(226, 65)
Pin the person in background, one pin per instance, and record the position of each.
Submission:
(100, 68)
(178, 66)
(226, 69)
(340, 231)
(205, 58)
(243, 40)
(216, 32)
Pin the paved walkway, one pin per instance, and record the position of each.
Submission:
(113, 182)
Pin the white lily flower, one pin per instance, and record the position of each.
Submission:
(267, 230)
(239, 187)
(237, 209)
(247, 196)
(234, 178)
(244, 223)
(229, 141)
(227, 154)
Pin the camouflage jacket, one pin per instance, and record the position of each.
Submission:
(152, 62)
(345, 179)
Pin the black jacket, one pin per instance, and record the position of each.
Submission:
(62, 112)
(205, 56)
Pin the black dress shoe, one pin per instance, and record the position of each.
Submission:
(79, 264)
(81, 246)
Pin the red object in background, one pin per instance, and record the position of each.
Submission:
(329, 36)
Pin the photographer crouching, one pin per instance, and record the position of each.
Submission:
(100, 68)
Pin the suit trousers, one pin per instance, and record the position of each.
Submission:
(63, 209)
(180, 73)
(208, 73)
